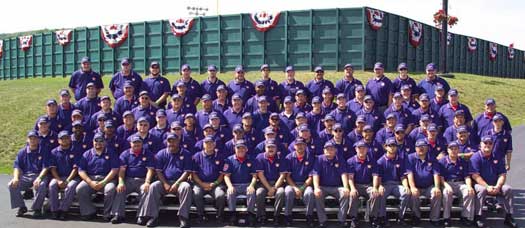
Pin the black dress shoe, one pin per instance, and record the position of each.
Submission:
(416, 220)
(28, 195)
(509, 221)
(288, 220)
(152, 222)
(88, 217)
(62, 215)
(343, 224)
(478, 222)
(401, 222)
(353, 223)
(55, 214)
(117, 220)
(322, 225)
(38, 214)
(141, 221)
(21, 211)
(184, 222)
(447, 223)
(107, 218)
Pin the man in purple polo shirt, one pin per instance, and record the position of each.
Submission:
(240, 85)
(90, 104)
(193, 88)
(502, 140)
(428, 84)
(347, 84)
(128, 101)
(272, 90)
(116, 85)
(447, 112)
(80, 78)
(380, 88)
(145, 109)
(482, 122)
(158, 86)
(316, 85)
(210, 84)
(403, 79)
(290, 86)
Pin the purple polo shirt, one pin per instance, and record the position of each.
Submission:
(450, 134)
(428, 87)
(289, 89)
(316, 87)
(434, 116)
(207, 167)
(88, 106)
(252, 104)
(483, 123)
(383, 134)
(329, 171)
(345, 117)
(94, 164)
(116, 85)
(299, 169)
(123, 104)
(81, 145)
(245, 89)
(150, 143)
(436, 106)
(64, 160)
(159, 132)
(148, 112)
(260, 120)
(156, 87)
(397, 83)
(193, 89)
(173, 165)
(454, 171)
(372, 118)
(314, 121)
(210, 88)
(489, 168)
(172, 115)
(345, 149)
(380, 90)
(446, 113)
(271, 89)
(403, 115)
(31, 161)
(347, 87)
(391, 170)
(240, 172)
(271, 169)
(79, 80)
(423, 170)
(502, 142)
(354, 105)
(232, 117)
(363, 171)
(137, 165)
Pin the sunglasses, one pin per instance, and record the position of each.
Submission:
(143, 125)
(144, 98)
(338, 130)
(155, 67)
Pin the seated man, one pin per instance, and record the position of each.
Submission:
(423, 178)
(29, 172)
(330, 178)
(136, 172)
(98, 167)
(240, 178)
(271, 173)
(173, 166)
(490, 175)
(364, 180)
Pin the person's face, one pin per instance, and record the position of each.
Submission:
(222, 94)
(144, 100)
(349, 71)
(400, 135)
(52, 109)
(239, 76)
(421, 150)
(209, 132)
(215, 122)
(391, 122)
(237, 103)
(238, 134)
(129, 119)
(271, 150)
(330, 151)
(329, 123)
(424, 123)
(85, 66)
(109, 130)
(490, 108)
(338, 132)
(207, 105)
(263, 105)
(391, 149)
(459, 120)
(362, 151)
(378, 72)
(288, 105)
(265, 72)
(99, 145)
(431, 74)
(360, 94)
(155, 69)
(212, 73)
(260, 90)
(65, 142)
(486, 147)
(241, 151)
(463, 136)
(432, 134)
(91, 91)
(177, 103)
(128, 91)
(247, 121)
(341, 102)
(136, 146)
(301, 120)
(319, 75)
(143, 127)
(453, 99)
(403, 72)
(305, 134)
(424, 103)
(189, 121)
(440, 93)
(454, 151)
(65, 99)
(186, 73)
(360, 125)
(177, 131)
(269, 136)
(368, 135)
(105, 104)
(33, 141)
(398, 101)
(126, 67)
(173, 144)
(369, 104)
(77, 129)
(181, 89)
(76, 117)
(300, 98)
(43, 127)
(300, 147)
(290, 75)
(406, 93)
(498, 123)
(161, 120)
(274, 121)
(209, 146)
(328, 96)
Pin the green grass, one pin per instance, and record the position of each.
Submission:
(24, 100)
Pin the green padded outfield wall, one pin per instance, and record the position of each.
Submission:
(328, 37)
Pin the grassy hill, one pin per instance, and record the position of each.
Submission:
(24, 100)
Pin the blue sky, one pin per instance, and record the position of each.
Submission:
(499, 21)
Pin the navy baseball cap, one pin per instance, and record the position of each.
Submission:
(160, 112)
(288, 99)
(43, 119)
(76, 112)
(180, 84)
(171, 136)
(206, 126)
(63, 134)
(85, 59)
(398, 95)
(143, 93)
(154, 63)
(300, 115)
(246, 115)
(176, 97)
(349, 65)
(338, 126)
(99, 137)
(51, 102)
(185, 67)
(299, 92)
(128, 84)
(368, 97)
(189, 115)
(497, 117)
(124, 61)
(359, 88)
(239, 68)
(329, 144)
(360, 119)
(208, 139)
(452, 144)
(391, 141)
(406, 87)
(431, 67)
(399, 128)
(341, 95)
(421, 142)
(142, 119)
(453, 92)
(221, 87)
(459, 112)
(402, 66)
(176, 125)
(127, 113)
(318, 68)
(240, 143)
(261, 99)
(76, 123)
(424, 117)
(462, 129)
(328, 117)
(439, 87)
(289, 68)
(316, 99)
(259, 83)
(135, 138)
(214, 115)
(299, 140)
(270, 143)
(268, 130)
(360, 143)
(304, 127)
(105, 98)
(379, 65)
(236, 96)
(274, 114)
(486, 138)
(368, 128)
(32, 133)
(206, 97)
(64, 92)
(91, 84)
(212, 67)
(490, 101)
(265, 66)
(432, 127)
(391, 115)
(424, 96)
(108, 124)
(238, 127)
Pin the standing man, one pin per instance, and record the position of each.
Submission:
(404, 79)
(98, 167)
(64, 170)
(347, 84)
(239, 85)
(158, 86)
(290, 86)
(316, 85)
(482, 122)
(271, 87)
(212, 83)
(90, 104)
(173, 166)
(127, 102)
(29, 173)
(330, 178)
(85, 75)
(193, 89)
(490, 176)
(502, 140)
(428, 84)
(126, 74)
(423, 177)
(380, 88)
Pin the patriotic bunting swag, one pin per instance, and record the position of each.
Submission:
(114, 35)
(415, 33)
(25, 42)
(449, 38)
(264, 21)
(181, 26)
(472, 44)
(511, 51)
(375, 18)
(63, 36)
(493, 51)
(1, 47)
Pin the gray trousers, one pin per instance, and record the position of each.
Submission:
(461, 190)
(119, 203)
(26, 183)
(307, 197)
(336, 192)
(397, 190)
(506, 196)
(69, 195)
(373, 202)
(240, 189)
(260, 200)
(153, 200)
(435, 203)
(84, 192)
(218, 195)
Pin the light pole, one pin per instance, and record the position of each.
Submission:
(443, 43)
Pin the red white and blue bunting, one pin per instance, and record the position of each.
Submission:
(510, 51)
(114, 35)
(472, 44)
(375, 18)
(181, 26)
(415, 33)
(264, 21)
(449, 38)
(64, 36)
(25, 42)
(493, 51)
(1, 48)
